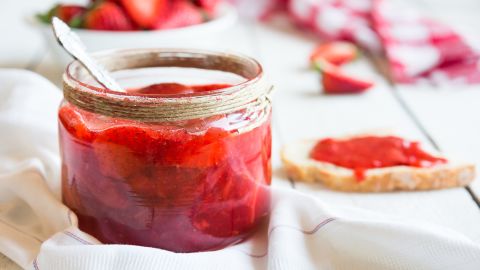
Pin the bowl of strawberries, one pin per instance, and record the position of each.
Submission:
(112, 24)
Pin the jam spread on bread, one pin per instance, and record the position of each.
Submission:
(363, 153)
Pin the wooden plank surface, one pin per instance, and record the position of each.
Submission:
(451, 117)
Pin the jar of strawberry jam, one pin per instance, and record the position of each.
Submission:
(180, 161)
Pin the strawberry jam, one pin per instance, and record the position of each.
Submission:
(184, 186)
(363, 153)
(176, 88)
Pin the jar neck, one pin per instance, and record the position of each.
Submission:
(252, 94)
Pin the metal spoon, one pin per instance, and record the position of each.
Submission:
(75, 47)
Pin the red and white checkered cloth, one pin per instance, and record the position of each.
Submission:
(416, 47)
(419, 47)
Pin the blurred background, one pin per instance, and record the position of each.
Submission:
(27, 43)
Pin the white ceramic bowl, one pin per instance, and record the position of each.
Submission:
(202, 35)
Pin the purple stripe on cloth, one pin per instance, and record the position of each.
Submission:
(35, 264)
(314, 230)
(310, 232)
(85, 242)
(320, 225)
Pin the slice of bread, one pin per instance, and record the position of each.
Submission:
(300, 167)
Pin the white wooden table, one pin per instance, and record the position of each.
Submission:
(447, 119)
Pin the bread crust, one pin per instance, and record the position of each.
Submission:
(299, 167)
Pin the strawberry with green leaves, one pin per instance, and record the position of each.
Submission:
(126, 15)
(107, 16)
(210, 6)
(70, 14)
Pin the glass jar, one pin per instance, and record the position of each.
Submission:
(186, 171)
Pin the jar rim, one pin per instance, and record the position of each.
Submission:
(252, 94)
(102, 56)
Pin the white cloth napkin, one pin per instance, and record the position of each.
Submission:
(38, 232)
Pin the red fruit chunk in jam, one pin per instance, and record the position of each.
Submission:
(254, 151)
(362, 153)
(166, 185)
(126, 150)
(209, 87)
(123, 151)
(200, 151)
(69, 189)
(163, 89)
(227, 204)
(107, 192)
(74, 122)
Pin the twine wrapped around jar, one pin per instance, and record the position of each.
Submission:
(251, 95)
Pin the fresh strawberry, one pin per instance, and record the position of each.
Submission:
(145, 13)
(336, 52)
(107, 16)
(70, 14)
(181, 13)
(210, 6)
(335, 81)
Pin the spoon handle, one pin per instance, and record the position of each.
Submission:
(74, 46)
